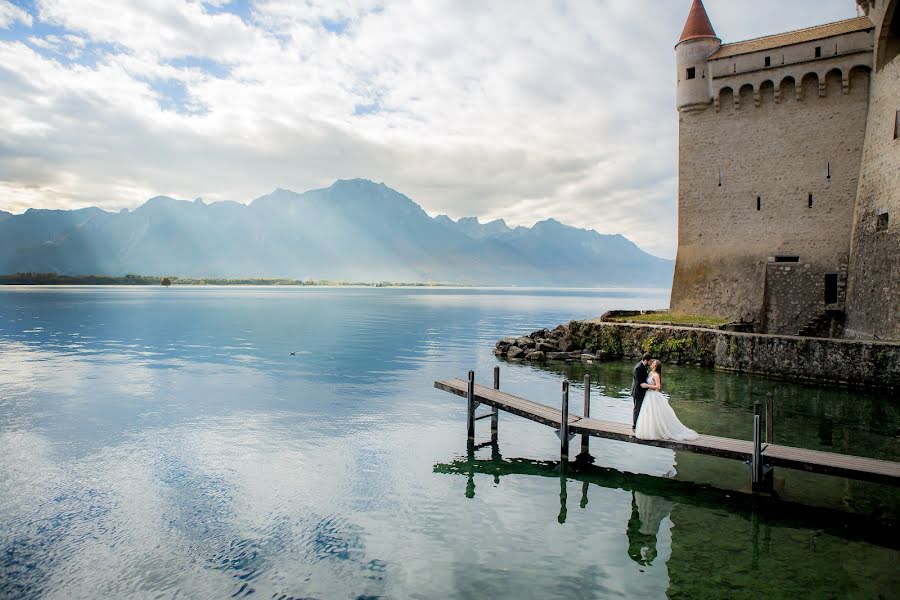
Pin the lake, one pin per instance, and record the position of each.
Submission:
(288, 443)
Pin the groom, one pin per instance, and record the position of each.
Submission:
(639, 376)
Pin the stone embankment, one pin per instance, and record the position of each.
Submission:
(822, 360)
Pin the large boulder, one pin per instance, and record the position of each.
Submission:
(515, 352)
(536, 356)
(545, 345)
(525, 342)
(566, 345)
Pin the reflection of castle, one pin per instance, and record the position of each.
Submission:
(789, 175)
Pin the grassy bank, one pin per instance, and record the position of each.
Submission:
(666, 318)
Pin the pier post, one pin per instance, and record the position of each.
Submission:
(756, 457)
(495, 412)
(470, 395)
(760, 478)
(564, 424)
(585, 438)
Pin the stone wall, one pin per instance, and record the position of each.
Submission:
(820, 360)
(794, 297)
(780, 153)
(873, 306)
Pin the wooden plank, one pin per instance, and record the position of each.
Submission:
(828, 463)
(513, 404)
(815, 461)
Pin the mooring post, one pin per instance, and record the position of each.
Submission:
(470, 394)
(564, 424)
(495, 412)
(585, 438)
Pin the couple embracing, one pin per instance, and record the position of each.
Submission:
(653, 418)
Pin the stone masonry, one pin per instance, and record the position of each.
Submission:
(789, 176)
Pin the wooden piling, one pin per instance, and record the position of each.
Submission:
(585, 438)
(564, 424)
(470, 395)
(495, 412)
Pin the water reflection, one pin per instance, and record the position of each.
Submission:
(749, 543)
(647, 514)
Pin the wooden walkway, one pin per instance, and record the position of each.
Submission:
(772, 455)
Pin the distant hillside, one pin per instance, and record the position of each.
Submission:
(354, 230)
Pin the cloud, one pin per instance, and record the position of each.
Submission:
(11, 14)
(523, 111)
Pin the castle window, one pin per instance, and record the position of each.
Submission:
(882, 223)
(721, 177)
(787, 259)
(810, 200)
(691, 73)
(818, 51)
(897, 126)
(831, 288)
(758, 203)
(768, 61)
(828, 172)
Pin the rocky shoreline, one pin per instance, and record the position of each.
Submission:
(546, 344)
(862, 364)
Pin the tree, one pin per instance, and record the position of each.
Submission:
(165, 282)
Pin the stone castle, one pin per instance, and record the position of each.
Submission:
(789, 176)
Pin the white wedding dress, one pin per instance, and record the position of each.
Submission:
(657, 420)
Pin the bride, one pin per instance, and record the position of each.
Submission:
(657, 420)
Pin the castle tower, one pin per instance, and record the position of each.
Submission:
(770, 138)
(697, 43)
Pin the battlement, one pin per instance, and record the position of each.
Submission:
(797, 83)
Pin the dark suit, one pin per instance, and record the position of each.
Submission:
(639, 376)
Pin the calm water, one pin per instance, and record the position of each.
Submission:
(163, 443)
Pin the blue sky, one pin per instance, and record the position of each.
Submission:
(520, 109)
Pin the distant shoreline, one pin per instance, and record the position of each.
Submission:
(147, 280)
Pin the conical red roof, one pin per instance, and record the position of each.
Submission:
(698, 25)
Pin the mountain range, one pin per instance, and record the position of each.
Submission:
(355, 230)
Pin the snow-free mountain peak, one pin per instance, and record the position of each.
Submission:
(354, 229)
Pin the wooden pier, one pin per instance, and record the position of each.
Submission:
(761, 454)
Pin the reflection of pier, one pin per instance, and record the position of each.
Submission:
(761, 456)
(669, 493)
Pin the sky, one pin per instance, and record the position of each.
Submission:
(515, 109)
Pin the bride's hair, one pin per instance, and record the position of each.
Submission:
(657, 367)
